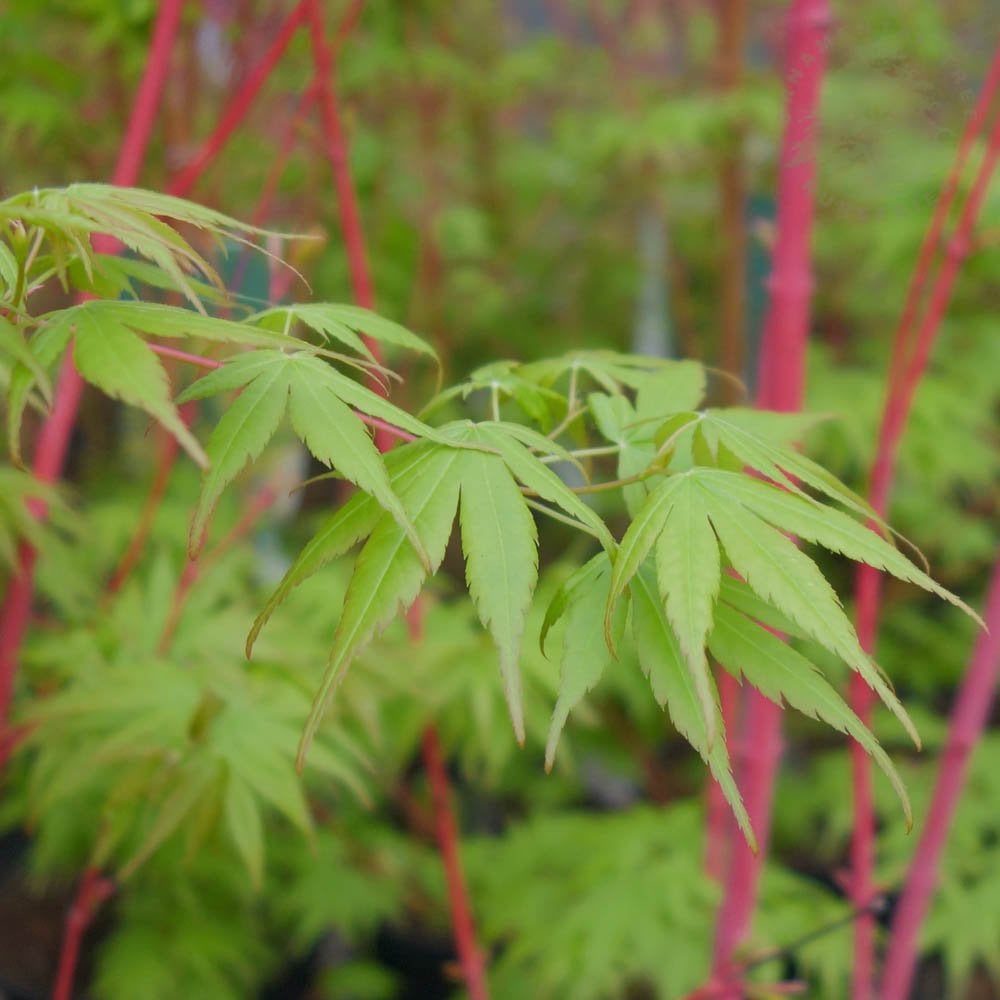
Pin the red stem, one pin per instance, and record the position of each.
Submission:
(911, 351)
(94, 889)
(463, 928)
(968, 720)
(240, 105)
(53, 439)
(782, 377)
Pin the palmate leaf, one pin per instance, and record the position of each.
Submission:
(663, 663)
(501, 559)
(110, 355)
(584, 657)
(687, 518)
(118, 362)
(688, 570)
(320, 402)
(780, 672)
(388, 574)
(475, 469)
(70, 216)
(344, 323)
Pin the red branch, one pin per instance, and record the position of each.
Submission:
(239, 106)
(473, 963)
(968, 720)
(53, 439)
(914, 340)
(93, 891)
(463, 927)
(782, 371)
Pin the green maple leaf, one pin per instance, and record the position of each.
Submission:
(687, 520)
(479, 471)
(344, 323)
(781, 673)
(321, 403)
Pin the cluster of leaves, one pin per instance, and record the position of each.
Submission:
(169, 743)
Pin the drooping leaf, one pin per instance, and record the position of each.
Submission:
(663, 663)
(120, 364)
(688, 569)
(501, 557)
(639, 539)
(14, 346)
(584, 655)
(333, 433)
(783, 575)
(240, 436)
(320, 401)
(825, 526)
(780, 672)
(388, 573)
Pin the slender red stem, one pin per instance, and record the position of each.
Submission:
(782, 377)
(53, 439)
(239, 106)
(473, 963)
(968, 720)
(463, 928)
(94, 889)
(914, 340)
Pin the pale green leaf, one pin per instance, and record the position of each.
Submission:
(784, 576)
(501, 556)
(737, 594)
(825, 526)
(340, 532)
(47, 344)
(679, 386)
(241, 434)
(335, 435)
(779, 672)
(639, 539)
(662, 661)
(8, 269)
(688, 569)
(13, 344)
(584, 653)
(120, 364)
(388, 573)
(235, 373)
(782, 464)
(539, 478)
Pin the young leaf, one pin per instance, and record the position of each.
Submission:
(779, 672)
(825, 526)
(501, 557)
(688, 568)
(241, 434)
(333, 433)
(639, 539)
(120, 364)
(777, 570)
(388, 574)
(539, 478)
(345, 528)
(584, 654)
(661, 659)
